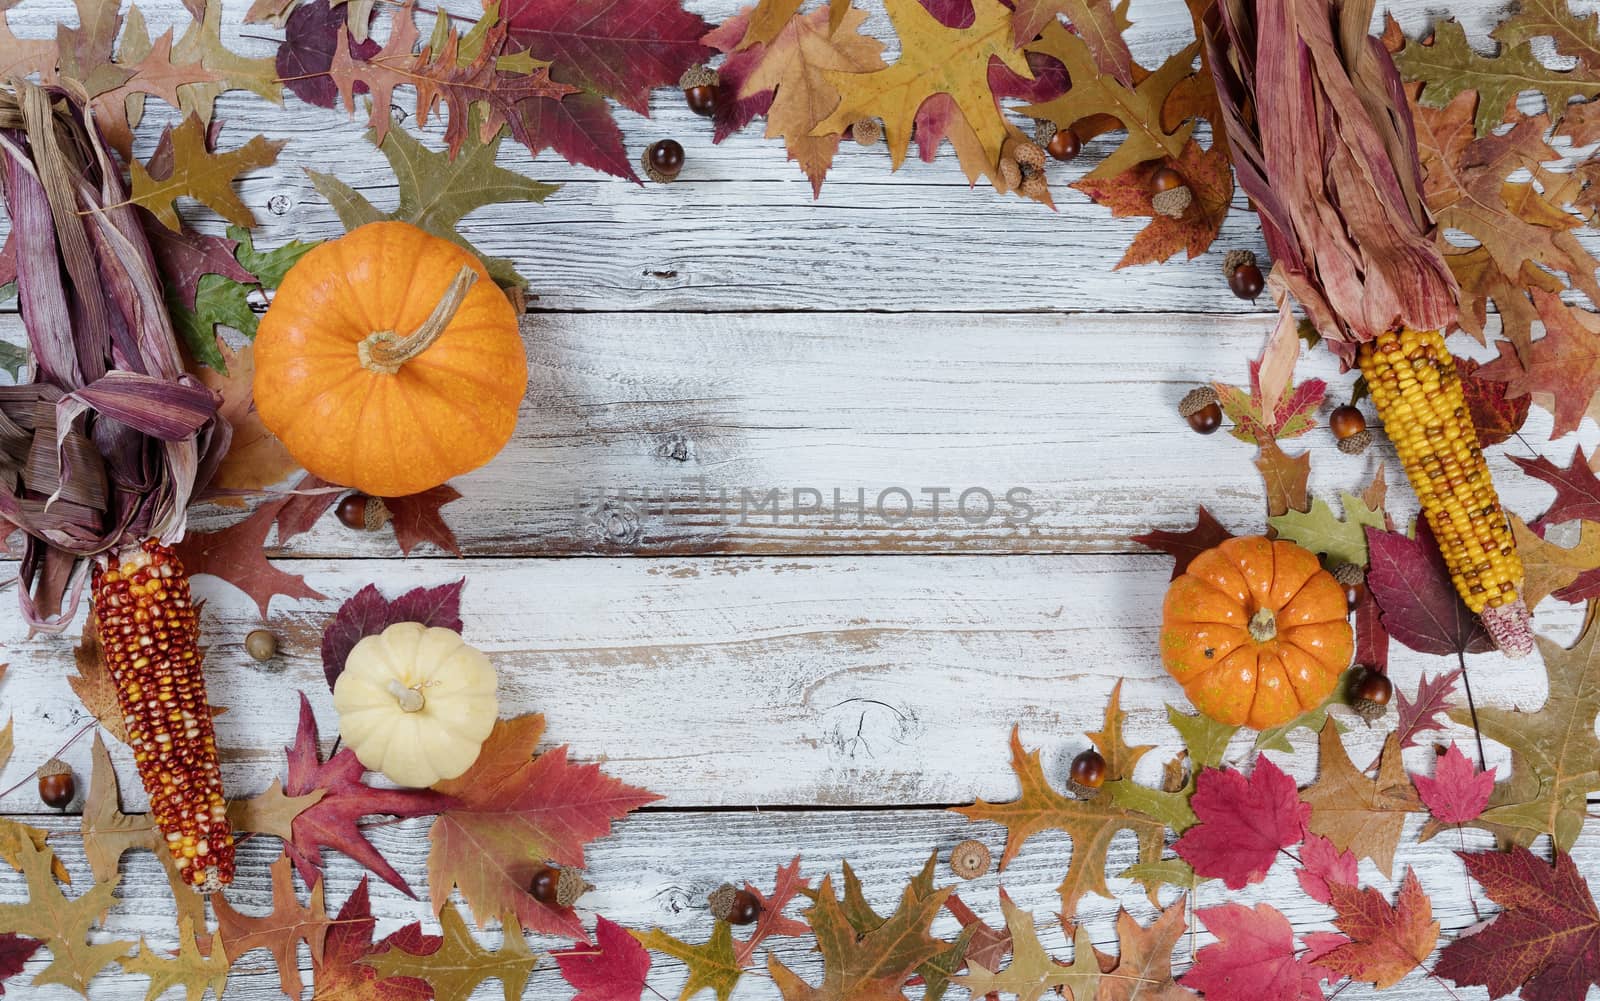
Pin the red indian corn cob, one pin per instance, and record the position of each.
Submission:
(149, 633)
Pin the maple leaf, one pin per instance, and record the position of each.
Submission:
(1292, 417)
(15, 951)
(1244, 823)
(279, 932)
(200, 174)
(1142, 971)
(1341, 540)
(788, 79)
(331, 822)
(1205, 741)
(61, 924)
(868, 966)
(1032, 972)
(934, 59)
(1494, 416)
(455, 967)
(1253, 957)
(615, 968)
(1095, 21)
(1091, 823)
(191, 969)
(436, 191)
(108, 834)
(1563, 364)
(1457, 793)
(1209, 175)
(1183, 547)
(1421, 608)
(1577, 488)
(340, 973)
(1546, 941)
(1321, 864)
(514, 813)
(786, 885)
(1555, 756)
(234, 554)
(1137, 108)
(1357, 813)
(1422, 714)
(712, 965)
(1548, 567)
(416, 519)
(1386, 941)
(1285, 477)
(369, 613)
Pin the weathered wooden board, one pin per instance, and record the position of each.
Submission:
(656, 869)
(667, 435)
(842, 681)
(740, 230)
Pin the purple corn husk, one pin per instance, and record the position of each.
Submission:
(113, 438)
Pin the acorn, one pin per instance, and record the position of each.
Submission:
(557, 886)
(362, 512)
(1353, 579)
(1350, 428)
(969, 859)
(57, 788)
(1200, 408)
(1244, 274)
(1087, 773)
(1169, 193)
(663, 160)
(866, 131)
(1022, 168)
(261, 645)
(735, 906)
(699, 83)
(1370, 695)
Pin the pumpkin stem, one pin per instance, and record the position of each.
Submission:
(385, 351)
(410, 699)
(1263, 625)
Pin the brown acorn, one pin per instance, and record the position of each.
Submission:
(969, 859)
(663, 160)
(57, 788)
(1243, 274)
(733, 905)
(1087, 773)
(1370, 695)
(1353, 579)
(1169, 193)
(363, 513)
(1200, 408)
(700, 83)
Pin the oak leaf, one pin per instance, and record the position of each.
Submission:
(192, 969)
(934, 59)
(935, 971)
(457, 965)
(1142, 970)
(1457, 793)
(416, 519)
(62, 924)
(786, 885)
(1183, 547)
(1341, 540)
(1209, 175)
(1357, 813)
(312, 33)
(1097, 22)
(202, 43)
(1386, 941)
(1577, 488)
(1421, 607)
(234, 554)
(201, 174)
(514, 812)
(615, 968)
(1285, 477)
(368, 613)
(1243, 823)
(340, 973)
(1547, 567)
(1204, 741)
(712, 965)
(184, 257)
(271, 812)
(1032, 972)
(12, 834)
(1253, 958)
(279, 932)
(255, 459)
(332, 821)
(1421, 715)
(1546, 941)
(1483, 283)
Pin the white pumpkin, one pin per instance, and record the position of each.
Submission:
(416, 703)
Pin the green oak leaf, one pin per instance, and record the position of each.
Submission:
(1341, 540)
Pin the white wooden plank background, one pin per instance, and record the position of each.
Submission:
(800, 686)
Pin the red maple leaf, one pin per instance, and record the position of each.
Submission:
(514, 812)
(1423, 714)
(1183, 547)
(771, 923)
(1244, 823)
(1321, 864)
(14, 953)
(331, 822)
(1577, 489)
(613, 969)
(417, 519)
(341, 974)
(1546, 941)
(1565, 362)
(1253, 958)
(1494, 416)
(1421, 609)
(1386, 941)
(1458, 793)
(309, 501)
(1291, 418)
(234, 555)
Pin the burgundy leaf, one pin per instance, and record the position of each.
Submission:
(951, 13)
(1458, 793)
(579, 127)
(613, 969)
(1577, 489)
(182, 256)
(15, 951)
(1421, 608)
(1494, 417)
(310, 37)
(1183, 547)
(1372, 640)
(1432, 702)
(417, 519)
(1049, 79)
(341, 972)
(1244, 823)
(302, 509)
(370, 613)
(234, 554)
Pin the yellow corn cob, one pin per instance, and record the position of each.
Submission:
(149, 632)
(1414, 384)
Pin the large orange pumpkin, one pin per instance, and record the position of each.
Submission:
(1256, 632)
(389, 361)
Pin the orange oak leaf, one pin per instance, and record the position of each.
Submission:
(234, 554)
(515, 812)
(1143, 968)
(279, 932)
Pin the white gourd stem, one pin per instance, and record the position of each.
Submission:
(1263, 626)
(410, 699)
(385, 351)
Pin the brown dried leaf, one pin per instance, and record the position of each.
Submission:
(1357, 813)
(202, 175)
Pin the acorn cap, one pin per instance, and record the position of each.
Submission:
(866, 131)
(721, 901)
(699, 75)
(1034, 186)
(377, 514)
(1196, 400)
(1029, 155)
(1173, 202)
(55, 766)
(650, 170)
(570, 885)
(1044, 130)
(1350, 574)
(969, 859)
(1010, 172)
(1356, 443)
(1237, 259)
(1369, 711)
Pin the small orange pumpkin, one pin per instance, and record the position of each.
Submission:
(1256, 632)
(389, 361)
